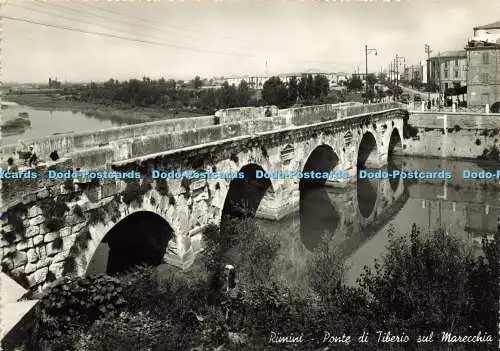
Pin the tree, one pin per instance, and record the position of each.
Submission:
(274, 92)
(197, 82)
(371, 80)
(243, 95)
(293, 90)
(354, 83)
(228, 96)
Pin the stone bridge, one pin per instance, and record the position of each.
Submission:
(52, 227)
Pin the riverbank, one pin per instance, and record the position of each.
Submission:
(116, 113)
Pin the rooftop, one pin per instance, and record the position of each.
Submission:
(451, 53)
(494, 25)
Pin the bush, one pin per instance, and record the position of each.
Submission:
(125, 332)
(424, 285)
(74, 303)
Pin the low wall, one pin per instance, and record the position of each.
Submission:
(233, 115)
(320, 113)
(462, 136)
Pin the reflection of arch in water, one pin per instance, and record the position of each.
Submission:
(368, 151)
(374, 196)
(322, 159)
(367, 195)
(140, 238)
(318, 216)
(245, 195)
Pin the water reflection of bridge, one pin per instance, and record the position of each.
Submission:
(349, 216)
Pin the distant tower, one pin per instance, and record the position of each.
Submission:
(267, 73)
(50, 82)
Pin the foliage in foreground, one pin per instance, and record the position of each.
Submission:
(422, 284)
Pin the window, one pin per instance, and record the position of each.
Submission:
(486, 58)
(445, 64)
(446, 73)
(456, 74)
(456, 62)
(484, 78)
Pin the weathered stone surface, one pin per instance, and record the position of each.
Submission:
(22, 245)
(32, 255)
(65, 231)
(3, 243)
(32, 231)
(43, 228)
(29, 198)
(49, 237)
(78, 227)
(20, 259)
(38, 240)
(31, 279)
(56, 268)
(34, 211)
(41, 275)
(8, 228)
(68, 241)
(61, 256)
(51, 251)
(42, 194)
(43, 263)
(72, 220)
(30, 268)
(42, 252)
(36, 220)
(174, 186)
(7, 263)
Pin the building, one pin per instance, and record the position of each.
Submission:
(413, 73)
(257, 82)
(483, 59)
(423, 64)
(448, 70)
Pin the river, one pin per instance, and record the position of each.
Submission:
(46, 123)
(361, 215)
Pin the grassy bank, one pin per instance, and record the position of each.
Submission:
(116, 112)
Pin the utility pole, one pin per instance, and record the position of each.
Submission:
(428, 52)
(439, 67)
(366, 68)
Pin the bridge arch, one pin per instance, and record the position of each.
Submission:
(245, 195)
(395, 146)
(138, 238)
(368, 151)
(322, 158)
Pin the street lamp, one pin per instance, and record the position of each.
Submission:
(366, 67)
(428, 52)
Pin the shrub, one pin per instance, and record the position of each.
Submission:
(125, 332)
(326, 269)
(74, 303)
(422, 284)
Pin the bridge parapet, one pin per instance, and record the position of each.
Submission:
(233, 115)
(66, 143)
(320, 113)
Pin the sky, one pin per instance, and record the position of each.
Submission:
(222, 38)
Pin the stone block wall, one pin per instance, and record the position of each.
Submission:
(471, 135)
